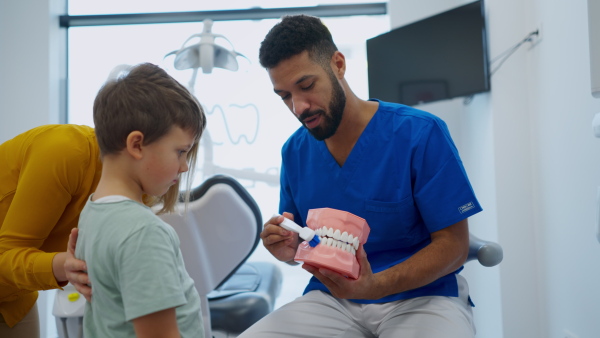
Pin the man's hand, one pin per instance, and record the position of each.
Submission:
(364, 287)
(75, 269)
(281, 243)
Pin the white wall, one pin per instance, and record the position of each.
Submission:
(535, 165)
(527, 146)
(29, 65)
(567, 167)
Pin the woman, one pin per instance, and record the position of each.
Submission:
(46, 176)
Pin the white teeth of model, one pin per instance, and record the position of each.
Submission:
(337, 239)
(355, 243)
(344, 237)
(330, 232)
(329, 241)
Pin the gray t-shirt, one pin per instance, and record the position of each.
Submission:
(135, 267)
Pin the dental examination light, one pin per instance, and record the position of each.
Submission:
(205, 54)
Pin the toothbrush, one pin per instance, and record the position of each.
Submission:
(305, 233)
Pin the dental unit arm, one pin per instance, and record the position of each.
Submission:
(305, 233)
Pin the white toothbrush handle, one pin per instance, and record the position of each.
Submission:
(306, 234)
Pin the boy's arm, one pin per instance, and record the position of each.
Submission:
(158, 324)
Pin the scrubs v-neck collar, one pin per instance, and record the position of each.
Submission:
(353, 161)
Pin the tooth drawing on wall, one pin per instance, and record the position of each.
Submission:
(340, 234)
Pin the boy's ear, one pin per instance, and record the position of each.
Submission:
(135, 142)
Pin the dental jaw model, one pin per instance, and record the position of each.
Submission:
(340, 234)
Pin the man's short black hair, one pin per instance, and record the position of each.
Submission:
(294, 35)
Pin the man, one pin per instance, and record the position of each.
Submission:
(390, 164)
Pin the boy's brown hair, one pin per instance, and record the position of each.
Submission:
(147, 99)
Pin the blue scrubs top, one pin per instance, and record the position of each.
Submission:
(403, 176)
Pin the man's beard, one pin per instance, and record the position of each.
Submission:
(330, 122)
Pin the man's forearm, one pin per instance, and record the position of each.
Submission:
(446, 253)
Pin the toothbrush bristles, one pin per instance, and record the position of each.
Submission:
(314, 242)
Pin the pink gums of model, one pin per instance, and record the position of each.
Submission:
(340, 233)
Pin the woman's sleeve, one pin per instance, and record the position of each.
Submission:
(51, 172)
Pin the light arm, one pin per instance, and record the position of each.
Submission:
(161, 324)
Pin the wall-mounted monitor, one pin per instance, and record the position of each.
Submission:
(437, 58)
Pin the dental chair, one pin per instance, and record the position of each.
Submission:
(218, 232)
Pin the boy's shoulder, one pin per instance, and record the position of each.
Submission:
(116, 226)
(125, 216)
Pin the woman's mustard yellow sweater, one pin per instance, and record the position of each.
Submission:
(46, 176)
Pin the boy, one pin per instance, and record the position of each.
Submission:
(148, 126)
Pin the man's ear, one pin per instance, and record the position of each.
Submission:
(338, 64)
(135, 143)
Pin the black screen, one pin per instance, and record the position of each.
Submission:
(440, 57)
